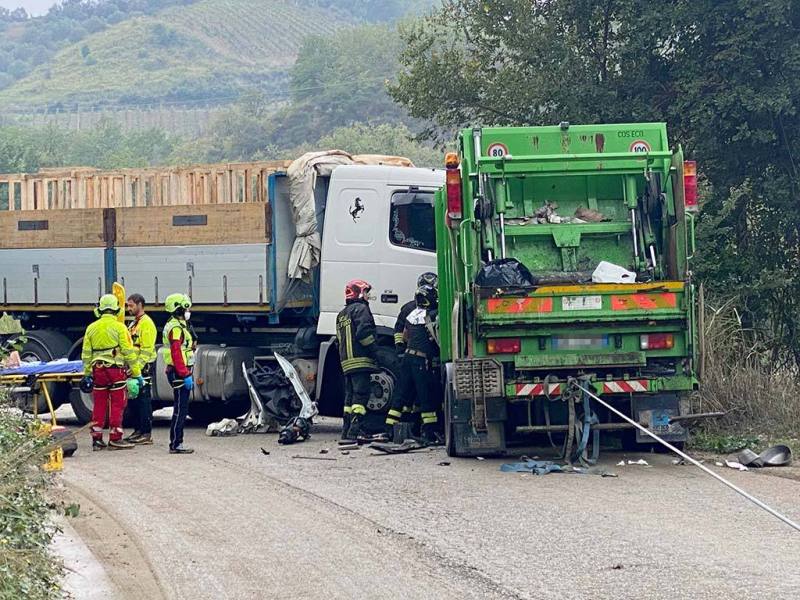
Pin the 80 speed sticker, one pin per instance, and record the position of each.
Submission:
(497, 150)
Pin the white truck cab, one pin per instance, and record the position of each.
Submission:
(379, 227)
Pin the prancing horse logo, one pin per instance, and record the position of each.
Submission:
(356, 209)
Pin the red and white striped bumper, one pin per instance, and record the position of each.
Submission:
(609, 387)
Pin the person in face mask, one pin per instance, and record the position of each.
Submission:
(178, 338)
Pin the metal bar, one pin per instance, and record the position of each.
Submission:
(67, 290)
(554, 428)
(696, 463)
(225, 290)
(155, 281)
(600, 157)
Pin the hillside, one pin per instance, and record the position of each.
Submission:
(208, 50)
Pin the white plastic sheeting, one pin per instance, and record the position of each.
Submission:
(303, 173)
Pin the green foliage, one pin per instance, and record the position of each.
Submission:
(724, 75)
(209, 50)
(107, 146)
(723, 443)
(381, 139)
(339, 80)
(375, 10)
(27, 569)
(26, 43)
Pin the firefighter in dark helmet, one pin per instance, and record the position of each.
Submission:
(356, 336)
(420, 364)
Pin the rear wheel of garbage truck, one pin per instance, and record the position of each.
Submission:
(45, 345)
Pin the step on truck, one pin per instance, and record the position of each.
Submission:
(239, 262)
(565, 257)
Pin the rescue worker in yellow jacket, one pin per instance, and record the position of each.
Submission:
(179, 341)
(143, 334)
(107, 351)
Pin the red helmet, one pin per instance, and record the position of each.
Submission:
(356, 289)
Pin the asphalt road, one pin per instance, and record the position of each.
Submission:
(232, 522)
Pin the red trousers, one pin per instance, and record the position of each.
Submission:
(110, 395)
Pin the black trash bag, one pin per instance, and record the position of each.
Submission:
(505, 273)
(276, 392)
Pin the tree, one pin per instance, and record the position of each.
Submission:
(339, 80)
(724, 75)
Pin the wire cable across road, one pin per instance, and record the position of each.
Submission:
(696, 463)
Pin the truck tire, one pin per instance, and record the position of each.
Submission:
(46, 345)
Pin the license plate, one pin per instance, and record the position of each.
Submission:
(581, 303)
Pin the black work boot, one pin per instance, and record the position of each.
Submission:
(430, 435)
(99, 445)
(346, 419)
(355, 430)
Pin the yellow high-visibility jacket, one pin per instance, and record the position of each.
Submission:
(143, 335)
(108, 341)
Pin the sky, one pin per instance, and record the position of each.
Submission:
(34, 7)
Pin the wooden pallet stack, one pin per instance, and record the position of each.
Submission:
(57, 189)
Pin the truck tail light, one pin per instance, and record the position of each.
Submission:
(504, 346)
(690, 185)
(657, 341)
(453, 186)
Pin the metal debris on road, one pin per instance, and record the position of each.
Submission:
(313, 457)
(323, 451)
(264, 451)
(444, 463)
(732, 464)
(392, 448)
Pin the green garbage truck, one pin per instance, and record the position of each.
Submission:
(565, 262)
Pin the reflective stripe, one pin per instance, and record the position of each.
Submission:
(350, 364)
(429, 417)
(368, 341)
(392, 421)
(398, 338)
(348, 410)
(395, 413)
(359, 409)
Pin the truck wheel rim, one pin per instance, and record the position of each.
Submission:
(381, 389)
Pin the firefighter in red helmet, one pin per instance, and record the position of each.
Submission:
(356, 335)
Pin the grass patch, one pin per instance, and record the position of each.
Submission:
(745, 376)
(27, 567)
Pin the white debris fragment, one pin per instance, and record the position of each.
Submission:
(621, 463)
(480, 458)
(735, 465)
(641, 462)
(719, 464)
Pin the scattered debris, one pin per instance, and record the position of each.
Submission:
(264, 451)
(223, 428)
(607, 272)
(313, 457)
(776, 456)
(735, 465)
(678, 461)
(296, 430)
(621, 463)
(323, 451)
(348, 446)
(536, 467)
(345, 452)
(392, 448)
(480, 458)
(719, 464)
(444, 463)
(589, 215)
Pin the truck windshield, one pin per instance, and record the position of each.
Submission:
(411, 220)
